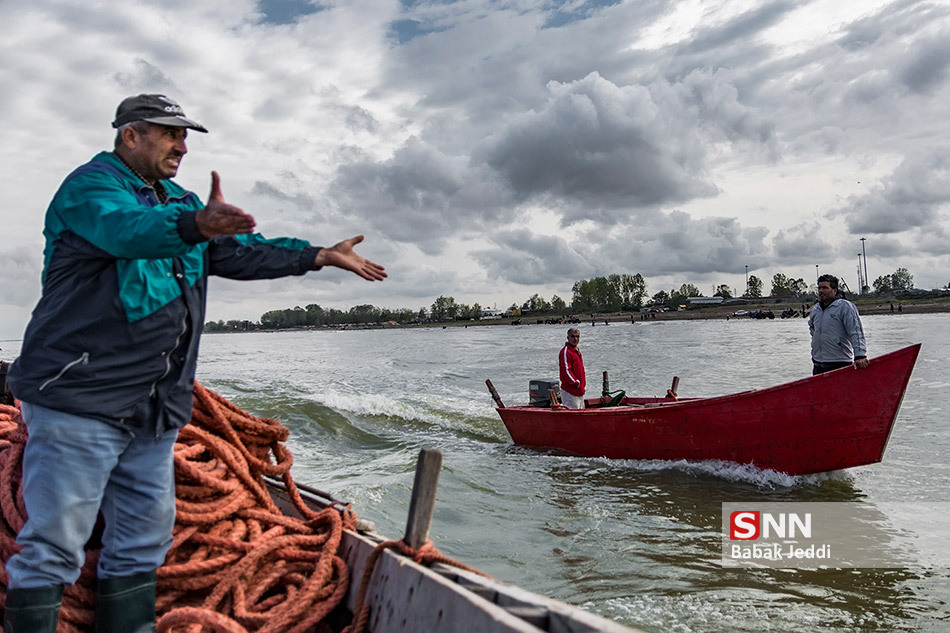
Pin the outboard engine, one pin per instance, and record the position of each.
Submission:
(538, 392)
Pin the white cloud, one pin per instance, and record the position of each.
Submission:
(913, 196)
(683, 140)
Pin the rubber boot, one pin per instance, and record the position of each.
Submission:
(126, 604)
(32, 610)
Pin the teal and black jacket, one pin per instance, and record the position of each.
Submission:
(115, 334)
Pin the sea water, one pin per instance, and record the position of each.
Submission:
(637, 541)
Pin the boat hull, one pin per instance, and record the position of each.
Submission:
(832, 421)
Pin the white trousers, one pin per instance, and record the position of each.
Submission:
(571, 401)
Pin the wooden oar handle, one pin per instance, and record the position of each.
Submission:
(494, 395)
(671, 392)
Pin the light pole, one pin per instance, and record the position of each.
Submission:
(865, 254)
(746, 280)
(816, 273)
(862, 283)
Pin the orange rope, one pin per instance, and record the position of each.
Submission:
(237, 564)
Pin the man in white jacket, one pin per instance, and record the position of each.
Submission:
(837, 338)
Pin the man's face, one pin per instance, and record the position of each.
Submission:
(825, 292)
(158, 151)
(574, 338)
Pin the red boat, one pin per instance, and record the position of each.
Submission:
(835, 420)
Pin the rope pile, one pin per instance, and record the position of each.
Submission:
(237, 564)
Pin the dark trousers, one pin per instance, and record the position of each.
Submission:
(820, 368)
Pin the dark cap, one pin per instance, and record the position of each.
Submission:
(153, 109)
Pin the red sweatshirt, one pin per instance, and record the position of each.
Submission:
(571, 364)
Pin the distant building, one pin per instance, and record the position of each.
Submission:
(703, 301)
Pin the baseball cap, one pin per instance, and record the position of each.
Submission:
(153, 109)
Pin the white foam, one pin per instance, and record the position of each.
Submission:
(372, 404)
(731, 471)
(437, 411)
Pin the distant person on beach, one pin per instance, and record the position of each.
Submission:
(837, 337)
(107, 367)
(571, 365)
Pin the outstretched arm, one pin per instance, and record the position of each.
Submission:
(343, 256)
(221, 218)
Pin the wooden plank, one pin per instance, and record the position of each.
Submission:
(405, 596)
(403, 600)
(561, 617)
(422, 503)
(535, 616)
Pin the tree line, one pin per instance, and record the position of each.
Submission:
(613, 293)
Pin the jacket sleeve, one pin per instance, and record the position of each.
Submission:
(99, 208)
(256, 257)
(567, 368)
(852, 325)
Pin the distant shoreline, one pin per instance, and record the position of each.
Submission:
(865, 307)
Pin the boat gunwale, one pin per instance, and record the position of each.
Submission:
(607, 432)
(716, 400)
(508, 608)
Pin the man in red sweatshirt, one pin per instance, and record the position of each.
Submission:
(571, 364)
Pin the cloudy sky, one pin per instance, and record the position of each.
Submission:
(490, 150)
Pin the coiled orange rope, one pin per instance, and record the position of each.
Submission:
(237, 564)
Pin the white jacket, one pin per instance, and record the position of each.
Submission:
(836, 333)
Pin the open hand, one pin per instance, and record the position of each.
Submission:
(221, 218)
(343, 256)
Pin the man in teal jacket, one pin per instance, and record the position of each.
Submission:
(107, 367)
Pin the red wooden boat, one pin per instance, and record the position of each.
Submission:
(835, 420)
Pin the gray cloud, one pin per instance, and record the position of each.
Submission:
(420, 195)
(144, 76)
(740, 29)
(927, 67)
(914, 195)
(886, 247)
(595, 151)
(299, 199)
(521, 257)
(803, 243)
(672, 243)
(935, 241)
(440, 128)
(679, 243)
(20, 269)
(597, 143)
